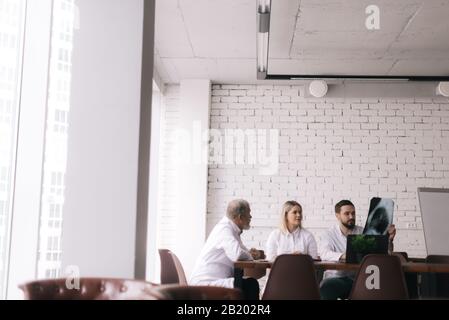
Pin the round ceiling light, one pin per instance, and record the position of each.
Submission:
(318, 88)
(443, 89)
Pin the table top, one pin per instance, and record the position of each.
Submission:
(413, 267)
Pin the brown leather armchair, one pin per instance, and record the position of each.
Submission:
(184, 292)
(89, 289)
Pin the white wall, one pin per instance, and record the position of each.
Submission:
(152, 254)
(183, 173)
(192, 173)
(99, 232)
(386, 142)
(331, 149)
(167, 213)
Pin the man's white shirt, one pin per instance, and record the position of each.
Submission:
(333, 246)
(215, 265)
(281, 242)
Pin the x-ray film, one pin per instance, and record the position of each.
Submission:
(380, 216)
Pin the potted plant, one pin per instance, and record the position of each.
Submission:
(362, 245)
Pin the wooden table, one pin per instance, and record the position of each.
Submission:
(259, 267)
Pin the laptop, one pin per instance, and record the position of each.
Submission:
(375, 236)
(359, 245)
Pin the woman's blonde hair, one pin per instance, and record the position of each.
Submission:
(285, 209)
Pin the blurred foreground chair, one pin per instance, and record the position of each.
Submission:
(435, 285)
(181, 292)
(384, 271)
(411, 279)
(292, 277)
(403, 256)
(172, 271)
(89, 289)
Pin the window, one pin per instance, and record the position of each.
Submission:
(58, 114)
(12, 17)
(60, 121)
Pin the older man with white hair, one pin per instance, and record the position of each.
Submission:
(215, 265)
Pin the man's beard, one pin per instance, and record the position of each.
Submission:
(246, 227)
(350, 224)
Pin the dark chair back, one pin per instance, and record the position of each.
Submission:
(380, 277)
(292, 277)
(172, 271)
(435, 285)
(178, 292)
(435, 258)
(403, 256)
(89, 289)
(411, 279)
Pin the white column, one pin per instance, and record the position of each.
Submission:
(192, 170)
(152, 272)
(30, 147)
(102, 183)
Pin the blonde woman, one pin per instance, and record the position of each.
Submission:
(291, 237)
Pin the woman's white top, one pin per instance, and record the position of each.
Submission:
(280, 242)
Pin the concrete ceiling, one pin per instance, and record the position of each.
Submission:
(217, 39)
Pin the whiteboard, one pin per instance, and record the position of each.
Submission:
(434, 205)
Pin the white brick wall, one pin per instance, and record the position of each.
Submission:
(167, 212)
(332, 149)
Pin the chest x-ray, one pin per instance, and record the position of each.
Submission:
(380, 216)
